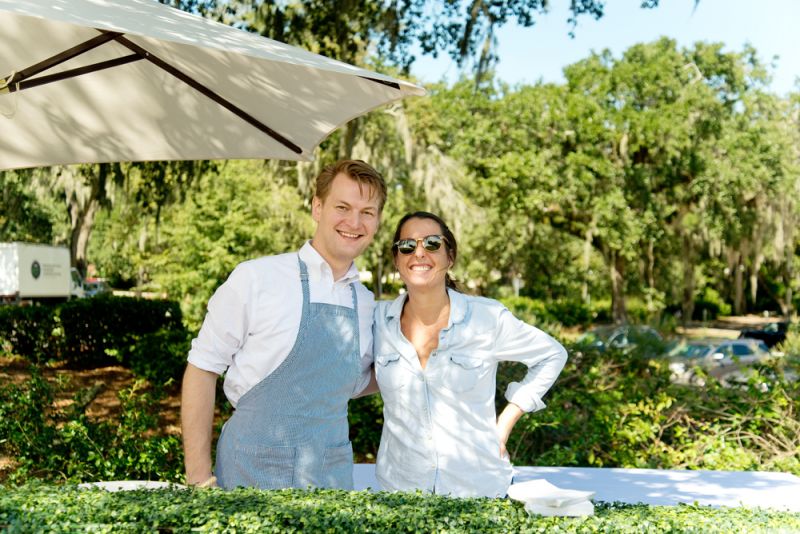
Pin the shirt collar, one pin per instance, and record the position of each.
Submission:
(318, 268)
(458, 307)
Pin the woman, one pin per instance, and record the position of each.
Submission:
(436, 356)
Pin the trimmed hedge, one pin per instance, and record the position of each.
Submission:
(158, 357)
(93, 327)
(48, 508)
(28, 331)
(144, 335)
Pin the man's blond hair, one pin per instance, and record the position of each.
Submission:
(358, 170)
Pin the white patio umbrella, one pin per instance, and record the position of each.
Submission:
(133, 80)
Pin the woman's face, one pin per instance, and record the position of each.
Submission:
(423, 268)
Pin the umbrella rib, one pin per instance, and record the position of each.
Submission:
(50, 78)
(61, 57)
(393, 85)
(207, 92)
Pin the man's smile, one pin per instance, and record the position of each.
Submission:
(349, 235)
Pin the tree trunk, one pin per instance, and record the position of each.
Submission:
(738, 287)
(82, 222)
(84, 192)
(587, 259)
(759, 259)
(787, 304)
(786, 226)
(348, 139)
(140, 274)
(617, 271)
(687, 304)
(738, 277)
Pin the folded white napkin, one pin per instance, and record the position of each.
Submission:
(542, 497)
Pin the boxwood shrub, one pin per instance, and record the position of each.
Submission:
(28, 331)
(144, 335)
(97, 328)
(47, 508)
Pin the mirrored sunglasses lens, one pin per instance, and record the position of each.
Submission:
(432, 243)
(406, 246)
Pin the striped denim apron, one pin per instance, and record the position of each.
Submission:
(290, 429)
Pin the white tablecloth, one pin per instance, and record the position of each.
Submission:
(779, 491)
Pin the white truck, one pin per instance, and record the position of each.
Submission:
(31, 272)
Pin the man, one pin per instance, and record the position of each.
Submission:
(293, 335)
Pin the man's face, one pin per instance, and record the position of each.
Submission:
(346, 221)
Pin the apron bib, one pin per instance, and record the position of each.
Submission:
(290, 430)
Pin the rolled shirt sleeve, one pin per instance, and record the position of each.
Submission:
(225, 325)
(545, 357)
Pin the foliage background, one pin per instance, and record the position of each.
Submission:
(661, 185)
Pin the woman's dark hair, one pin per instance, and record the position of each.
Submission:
(450, 244)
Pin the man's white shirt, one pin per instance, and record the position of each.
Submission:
(254, 317)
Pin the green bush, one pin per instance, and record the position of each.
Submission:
(98, 328)
(159, 357)
(600, 311)
(366, 423)
(628, 414)
(39, 508)
(534, 312)
(144, 334)
(567, 312)
(791, 345)
(50, 442)
(28, 331)
(710, 305)
(570, 312)
(639, 309)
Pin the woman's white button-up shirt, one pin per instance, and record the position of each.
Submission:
(440, 430)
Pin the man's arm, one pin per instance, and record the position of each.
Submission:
(197, 418)
(372, 386)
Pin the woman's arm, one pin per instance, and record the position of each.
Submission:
(544, 357)
(505, 423)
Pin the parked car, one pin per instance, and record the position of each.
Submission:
(717, 358)
(95, 287)
(625, 337)
(771, 334)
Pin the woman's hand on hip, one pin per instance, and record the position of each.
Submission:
(505, 423)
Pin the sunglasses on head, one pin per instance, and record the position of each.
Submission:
(431, 243)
